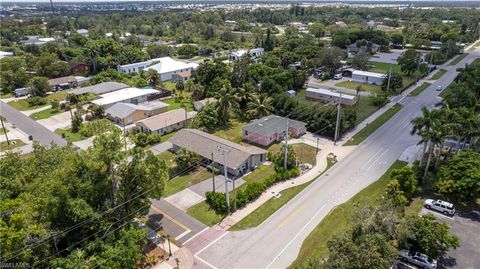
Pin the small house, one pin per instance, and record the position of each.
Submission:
(271, 129)
(367, 77)
(199, 104)
(63, 83)
(254, 53)
(127, 95)
(165, 122)
(328, 96)
(127, 113)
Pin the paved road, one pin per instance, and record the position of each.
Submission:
(276, 242)
(30, 127)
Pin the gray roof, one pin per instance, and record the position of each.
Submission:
(101, 88)
(123, 110)
(271, 124)
(205, 144)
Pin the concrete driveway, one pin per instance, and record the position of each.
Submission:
(465, 225)
(162, 147)
(387, 57)
(207, 185)
(62, 120)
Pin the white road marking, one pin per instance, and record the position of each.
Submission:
(374, 155)
(211, 243)
(206, 228)
(379, 157)
(204, 261)
(298, 234)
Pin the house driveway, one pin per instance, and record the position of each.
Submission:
(162, 147)
(62, 120)
(387, 57)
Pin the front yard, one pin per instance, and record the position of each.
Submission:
(186, 180)
(366, 87)
(305, 153)
(14, 143)
(69, 135)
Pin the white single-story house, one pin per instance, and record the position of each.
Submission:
(36, 40)
(235, 55)
(165, 66)
(241, 159)
(199, 104)
(127, 113)
(4, 54)
(126, 95)
(367, 77)
(165, 122)
(83, 32)
(328, 96)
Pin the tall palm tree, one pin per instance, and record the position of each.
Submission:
(434, 136)
(423, 124)
(260, 105)
(226, 100)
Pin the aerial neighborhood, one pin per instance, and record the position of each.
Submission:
(215, 134)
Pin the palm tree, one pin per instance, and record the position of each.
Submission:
(226, 101)
(433, 136)
(358, 89)
(152, 77)
(260, 105)
(423, 124)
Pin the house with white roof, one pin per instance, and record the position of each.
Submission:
(127, 113)
(126, 95)
(367, 77)
(166, 67)
(328, 96)
(235, 55)
(4, 54)
(36, 40)
(83, 32)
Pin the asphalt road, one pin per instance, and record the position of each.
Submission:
(30, 127)
(277, 241)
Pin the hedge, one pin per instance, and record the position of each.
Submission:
(249, 193)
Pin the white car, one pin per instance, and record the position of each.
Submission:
(418, 259)
(439, 88)
(441, 206)
(337, 76)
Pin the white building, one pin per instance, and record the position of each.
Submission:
(234, 56)
(83, 32)
(328, 96)
(165, 66)
(36, 40)
(4, 54)
(127, 95)
(367, 77)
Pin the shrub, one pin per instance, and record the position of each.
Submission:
(154, 139)
(36, 101)
(55, 104)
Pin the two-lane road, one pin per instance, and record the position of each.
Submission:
(276, 243)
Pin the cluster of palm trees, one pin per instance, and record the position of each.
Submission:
(435, 126)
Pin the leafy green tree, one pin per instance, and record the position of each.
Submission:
(207, 72)
(395, 195)
(40, 86)
(157, 51)
(269, 42)
(360, 60)
(55, 104)
(187, 51)
(426, 235)
(396, 83)
(460, 176)
(407, 180)
(330, 58)
(48, 65)
(317, 29)
(409, 61)
(185, 158)
(180, 86)
(279, 158)
(207, 118)
(260, 106)
(152, 77)
(378, 100)
(198, 92)
(227, 101)
(240, 71)
(77, 121)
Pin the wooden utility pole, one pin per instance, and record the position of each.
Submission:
(338, 118)
(5, 131)
(224, 152)
(213, 174)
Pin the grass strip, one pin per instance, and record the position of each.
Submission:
(14, 143)
(439, 74)
(372, 127)
(420, 89)
(338, 220)
(458, 59)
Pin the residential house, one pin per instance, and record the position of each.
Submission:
(182, 76)
(240, 159)
(4, 54)
(165, 122)
(235, 55)
(36, 40)
(362, 46)
(127, 113)
(166, 67)
(101, 88)
(328, 96)
(83, 32)
(79, 67)
(368, 77)
(199, 104)
(63, 83)
(126, 95)
(271, 129)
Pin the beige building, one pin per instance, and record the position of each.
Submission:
(328, 96)
(199, 104)
(127, 113)
(240, 159)
(166, 122)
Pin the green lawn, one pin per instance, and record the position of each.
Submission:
(364, 109)
(3, 131)
(420, 89)
(372, 127)
(176, 105)
(439, 74)
(204, 214)
(58, 96)
(232, 132)
(383, 67)
(69, 136)
(445, 92)
(6, 95)
(167, 156)
(14, 143)
(304, 152)
(259, 174)
(458, 59)
(338, 220)
(366, 87)
(179, 183)
(23, 105)
(169, 85)
(45, 114)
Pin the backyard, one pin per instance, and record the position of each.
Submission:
(232, 132)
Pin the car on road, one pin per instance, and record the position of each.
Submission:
(337, 76)
(418, 259)
(439, 88)
(441, 206)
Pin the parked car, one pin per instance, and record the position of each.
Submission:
(337, 76)
(419, 259)
(21, 92)
(441, 206)
(439, 88)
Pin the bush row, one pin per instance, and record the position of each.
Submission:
(247, 193)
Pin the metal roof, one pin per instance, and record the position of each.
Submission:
(271, 124)
(368, 74)
(101, 88)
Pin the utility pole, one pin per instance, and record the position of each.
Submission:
(418, 68)
(389, 77)
(338, 118)
(224, 152)
(286, 147)
(5, 131)
(318, 138)
(213, 174)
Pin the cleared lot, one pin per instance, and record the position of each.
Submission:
(467, 227)
(389, 58)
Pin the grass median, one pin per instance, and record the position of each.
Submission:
(420, 89)
(338, 220)
(439, 74)
(372, 127)
(458, 59)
